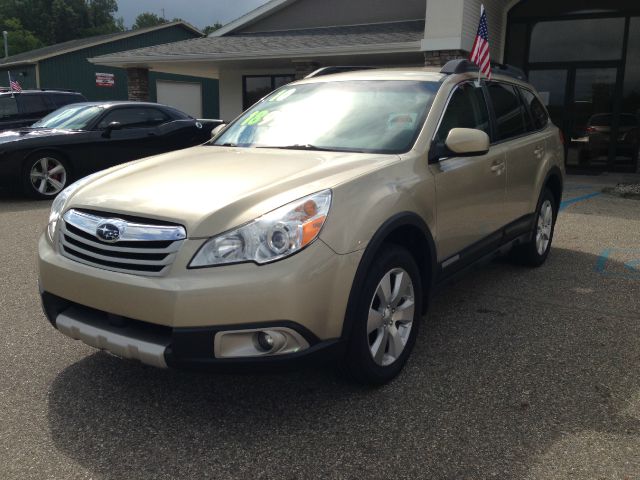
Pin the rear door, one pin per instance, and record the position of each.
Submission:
(469, 190)
(523, 145)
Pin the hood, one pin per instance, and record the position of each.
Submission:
(212, 189)
(31, 133)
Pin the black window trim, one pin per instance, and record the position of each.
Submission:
(526, 106)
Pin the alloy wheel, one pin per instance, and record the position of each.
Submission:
(390, 317)
(544, 227)
(48, 176)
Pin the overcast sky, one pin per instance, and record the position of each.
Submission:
(200, 13)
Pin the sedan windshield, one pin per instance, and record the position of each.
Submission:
(377, 116)
(72, 117)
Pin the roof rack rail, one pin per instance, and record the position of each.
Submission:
(336, 69)
(464, 66)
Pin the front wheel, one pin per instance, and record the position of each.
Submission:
(45, 176)
(386, 320)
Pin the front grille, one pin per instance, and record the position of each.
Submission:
(140, 248)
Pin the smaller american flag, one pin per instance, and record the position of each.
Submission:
(15, 86)
(480, 51)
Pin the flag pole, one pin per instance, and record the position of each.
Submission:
(10, 87)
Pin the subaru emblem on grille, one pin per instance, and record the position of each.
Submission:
(108, 232)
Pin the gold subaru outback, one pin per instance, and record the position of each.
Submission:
(315, 226)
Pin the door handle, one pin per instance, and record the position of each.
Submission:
(539, 150)
(497, 167)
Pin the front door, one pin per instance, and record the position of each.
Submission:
(470, 191)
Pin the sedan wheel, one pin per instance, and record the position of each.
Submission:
(48, 176)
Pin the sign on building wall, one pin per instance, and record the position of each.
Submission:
(105, 80)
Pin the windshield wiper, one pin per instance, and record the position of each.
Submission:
(298, 146)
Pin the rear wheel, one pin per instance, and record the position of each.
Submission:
(45, 175)
(535, 252)
(387, 318)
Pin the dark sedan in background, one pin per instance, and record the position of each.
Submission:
(82, 138)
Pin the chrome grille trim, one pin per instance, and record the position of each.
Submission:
(149, 249)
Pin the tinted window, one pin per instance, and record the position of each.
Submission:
(135, 117)
(466, 109)
(509, 111)
(572, 40)
(8, 107)
(62, 99)
(537, 111)
(34, 104)
(256, 87)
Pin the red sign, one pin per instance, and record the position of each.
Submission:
(105, 80)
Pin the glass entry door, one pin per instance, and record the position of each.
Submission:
(581, 103)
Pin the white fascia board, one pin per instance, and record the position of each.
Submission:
(319, 52)
(446, 43)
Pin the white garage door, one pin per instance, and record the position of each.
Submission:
(181, 95)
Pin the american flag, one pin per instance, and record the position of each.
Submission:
(480, 51)
(15, 85)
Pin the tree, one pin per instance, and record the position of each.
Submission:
(212, 28)
(19, 39)
(147, 19)
(101, 15)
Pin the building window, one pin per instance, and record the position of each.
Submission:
(571, 40)
(254, 87)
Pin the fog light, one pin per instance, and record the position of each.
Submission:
(264, 341)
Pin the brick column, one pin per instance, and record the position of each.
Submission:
(138, 84)
(438, 58)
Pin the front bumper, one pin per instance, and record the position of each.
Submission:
(165, 347)
(173, 320)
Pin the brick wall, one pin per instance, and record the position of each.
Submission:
(138, 84)
(438, 58)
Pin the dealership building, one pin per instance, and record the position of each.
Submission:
(583, 56)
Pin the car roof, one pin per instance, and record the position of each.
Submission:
(66, 92)
(428, 74)
(117, 103)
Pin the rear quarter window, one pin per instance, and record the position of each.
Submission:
(8, 107)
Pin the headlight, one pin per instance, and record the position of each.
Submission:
(271, 237)
(59, 203)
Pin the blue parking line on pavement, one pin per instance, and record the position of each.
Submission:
(631, 267)
(567, 203)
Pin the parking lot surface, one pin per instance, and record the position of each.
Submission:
(517, 374)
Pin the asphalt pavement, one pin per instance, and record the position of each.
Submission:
(517, 374)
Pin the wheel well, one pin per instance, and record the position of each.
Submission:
(413, 239)
(554, 184)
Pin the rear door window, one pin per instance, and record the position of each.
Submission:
(34, 105)
(539, 117)
(62, 99)
(466, 109)
(8, 107)
(508, 109)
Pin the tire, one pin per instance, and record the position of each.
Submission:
(45, 175)
(535, 252)
(381, 341)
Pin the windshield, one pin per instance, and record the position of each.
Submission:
(378, 116)
(73, 117)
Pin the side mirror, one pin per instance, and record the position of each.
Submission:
(216, 131)
(467, 142)
(110, 128)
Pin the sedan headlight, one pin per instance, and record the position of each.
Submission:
(271, 237)
(61, 200)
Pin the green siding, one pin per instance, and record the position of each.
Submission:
(73, 70)
(26, 76)
(210, 107)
